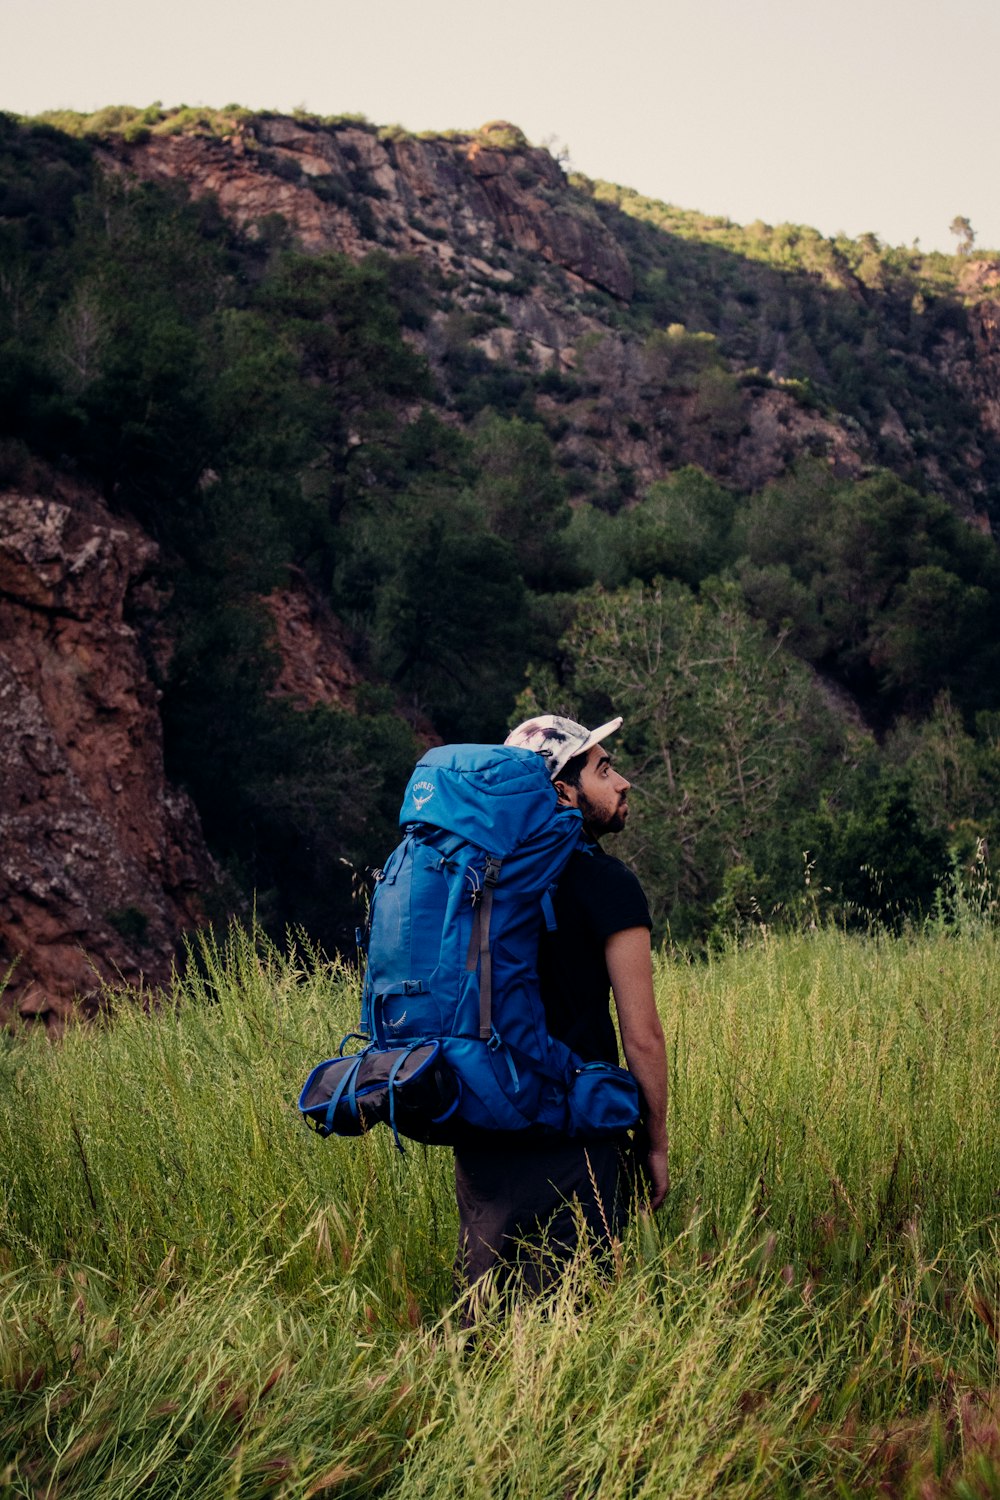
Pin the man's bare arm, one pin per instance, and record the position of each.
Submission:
(630, 969)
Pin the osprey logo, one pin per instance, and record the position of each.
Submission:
(423, 791)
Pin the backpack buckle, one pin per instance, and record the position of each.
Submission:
(495, 1044)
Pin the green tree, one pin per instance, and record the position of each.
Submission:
(870, 855)
(680, 529)
(674, 359)
(954, 775)
(522, 495)
(452, 628)
(342, 323)
(925, 636)
(724, 731)
(885, 588)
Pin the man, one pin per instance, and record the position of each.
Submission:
(511, 1191)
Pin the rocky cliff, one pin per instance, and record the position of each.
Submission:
(102, 863)
(500, 222)
(531, 255)
(446, 200)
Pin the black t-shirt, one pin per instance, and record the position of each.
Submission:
(597, 896)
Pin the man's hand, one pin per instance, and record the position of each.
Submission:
(651, 1163)
(659, 1174)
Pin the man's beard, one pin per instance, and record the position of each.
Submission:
(598, 822)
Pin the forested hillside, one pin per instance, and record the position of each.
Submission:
(421, 433)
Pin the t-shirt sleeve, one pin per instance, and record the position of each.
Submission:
(611, 896)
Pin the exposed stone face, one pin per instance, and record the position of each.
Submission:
(102, 863)
(741, 435)
(465, 202)
(457, 203)
(979, 277)
(570, 236)
(779, 431)
(981, 374)
(442, 200)
(316, 666)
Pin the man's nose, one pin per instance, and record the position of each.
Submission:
(624, 785)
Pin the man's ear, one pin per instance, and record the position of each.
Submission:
(565, 793)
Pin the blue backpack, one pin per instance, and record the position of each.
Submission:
(451, 1014)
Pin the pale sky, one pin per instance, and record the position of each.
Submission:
(849, 115)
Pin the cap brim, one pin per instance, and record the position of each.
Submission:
(597, 735)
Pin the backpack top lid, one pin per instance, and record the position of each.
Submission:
(496, 796)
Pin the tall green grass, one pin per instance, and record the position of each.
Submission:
(199, 1298)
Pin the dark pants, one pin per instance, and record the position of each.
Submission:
(521, 1208)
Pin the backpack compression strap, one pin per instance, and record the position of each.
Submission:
(481, 949)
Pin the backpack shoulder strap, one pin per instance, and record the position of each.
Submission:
(479, 945)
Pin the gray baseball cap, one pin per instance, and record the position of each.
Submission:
(558, 739)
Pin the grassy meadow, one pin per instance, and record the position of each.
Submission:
(199, 1298)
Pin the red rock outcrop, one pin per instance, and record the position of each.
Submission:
(499, 218)
(102, 863)
(631, 413)
(464, 203)
(316, 666)
(980, 374)
(442, 199)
